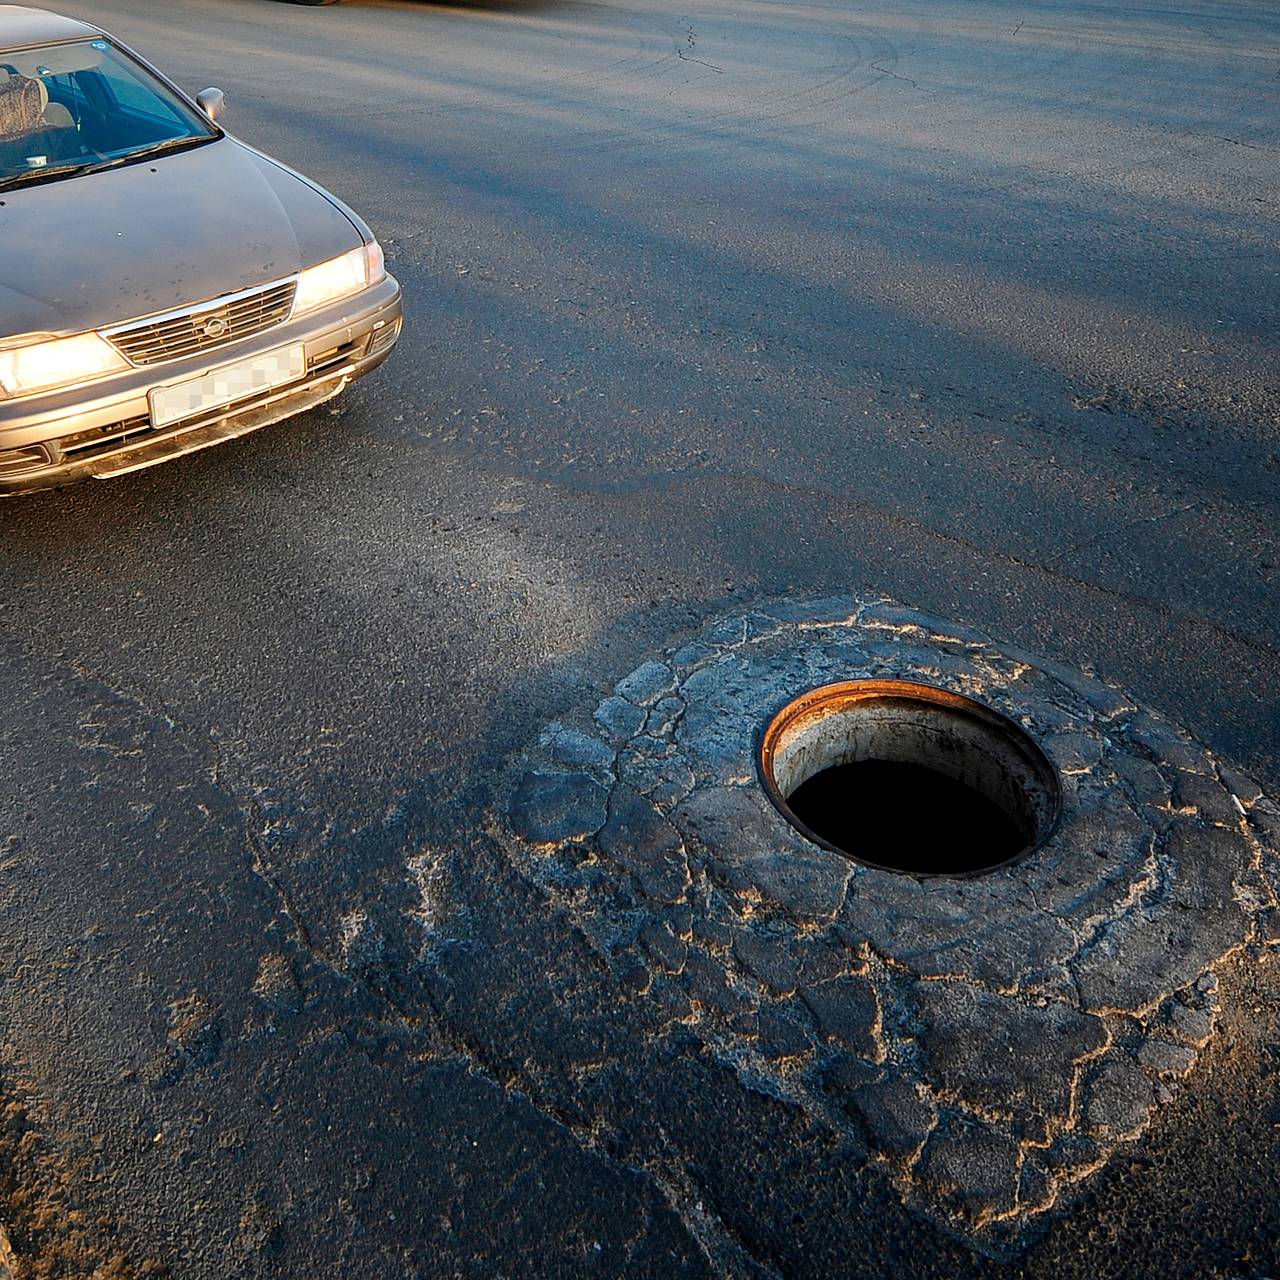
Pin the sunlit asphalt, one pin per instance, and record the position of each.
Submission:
(974, 304)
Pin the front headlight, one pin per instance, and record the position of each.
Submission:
(59, 362)
(339, 278)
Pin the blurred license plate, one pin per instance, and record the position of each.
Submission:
(225, 386)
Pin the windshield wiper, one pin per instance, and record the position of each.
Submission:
(43, 173)
(155, 149)
(47, 173)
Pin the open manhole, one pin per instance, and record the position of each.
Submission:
(906, 777)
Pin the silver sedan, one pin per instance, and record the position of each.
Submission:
(163, 286)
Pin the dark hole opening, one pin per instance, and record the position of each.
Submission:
(906, 817)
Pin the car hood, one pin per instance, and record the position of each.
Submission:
(106, 247)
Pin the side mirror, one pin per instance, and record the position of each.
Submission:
(211, 102)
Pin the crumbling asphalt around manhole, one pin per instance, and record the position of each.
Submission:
(994, 1040)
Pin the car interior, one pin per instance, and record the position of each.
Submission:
(56, 111)
(34, 128)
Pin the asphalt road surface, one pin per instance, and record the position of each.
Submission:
(972, 303)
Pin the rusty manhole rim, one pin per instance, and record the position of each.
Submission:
(841, 695)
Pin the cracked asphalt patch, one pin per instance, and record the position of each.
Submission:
(993, 1040)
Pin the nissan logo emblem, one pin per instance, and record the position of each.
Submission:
(215, 327)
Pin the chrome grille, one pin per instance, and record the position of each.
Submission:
(204, 327)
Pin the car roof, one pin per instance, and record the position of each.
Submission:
(20, 26)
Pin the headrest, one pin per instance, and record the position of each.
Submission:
(22, 104)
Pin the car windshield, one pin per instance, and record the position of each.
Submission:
(84, 105)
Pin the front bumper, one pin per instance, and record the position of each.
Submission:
(104, 429)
